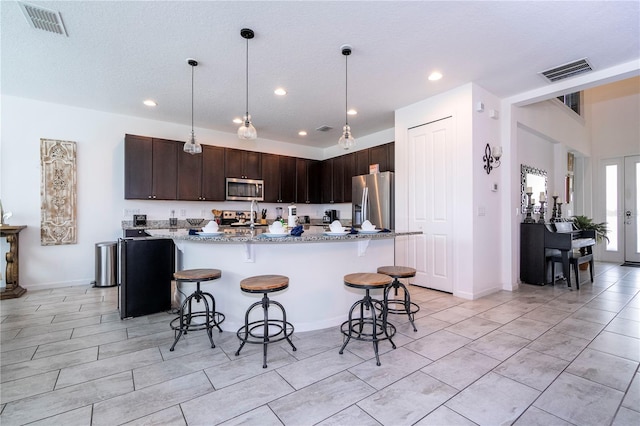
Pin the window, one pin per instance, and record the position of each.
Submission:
(611, 205)
(572, 100)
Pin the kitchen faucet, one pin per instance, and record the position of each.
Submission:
(253, 213)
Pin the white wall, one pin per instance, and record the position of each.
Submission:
(100, 183)
(487, 210)
(541, 134)
(612, 112)
(476, 257)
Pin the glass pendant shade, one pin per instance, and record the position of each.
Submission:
(192, 146)
(246, 131)
(346, 141)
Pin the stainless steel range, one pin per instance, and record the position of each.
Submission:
(238, 218)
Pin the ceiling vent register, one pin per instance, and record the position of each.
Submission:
(43, 19)
(567, 70)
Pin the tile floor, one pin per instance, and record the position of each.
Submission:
(536, 356)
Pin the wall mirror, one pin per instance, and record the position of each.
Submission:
(537, 180)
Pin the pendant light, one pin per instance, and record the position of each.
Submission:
(246, 130)
(346, 141)
(192, 146)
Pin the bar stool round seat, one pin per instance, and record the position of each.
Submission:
(266, 330)
(374, 327)
(397, 305)
(207, 318)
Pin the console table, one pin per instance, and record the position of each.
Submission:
(11, 276)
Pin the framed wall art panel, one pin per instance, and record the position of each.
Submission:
(58, 209)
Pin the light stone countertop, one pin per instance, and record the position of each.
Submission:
(235, 235)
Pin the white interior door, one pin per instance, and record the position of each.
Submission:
(430, 153)
(632, 209)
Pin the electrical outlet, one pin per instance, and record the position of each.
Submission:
(183, 212)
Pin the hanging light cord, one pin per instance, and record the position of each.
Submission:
(346, 88)
(247, 80)
(192, 66)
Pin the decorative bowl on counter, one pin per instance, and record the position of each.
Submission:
(194, 222)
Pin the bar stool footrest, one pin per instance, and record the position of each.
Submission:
(366, 334)
(216, 318)
(414, 307)
(246, 332)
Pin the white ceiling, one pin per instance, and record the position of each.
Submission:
(119, 53)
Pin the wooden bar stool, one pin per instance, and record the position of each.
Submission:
(408, 307)
(183, 322)
(272, 330)
(369, 329)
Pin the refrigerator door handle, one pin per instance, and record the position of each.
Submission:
(365, 203)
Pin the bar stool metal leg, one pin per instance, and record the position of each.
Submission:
(377, 329)
(410, 308)
(186, 316)
(284, 329)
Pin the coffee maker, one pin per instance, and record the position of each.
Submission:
(330, 216)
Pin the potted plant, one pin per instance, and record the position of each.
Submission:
(587, 223)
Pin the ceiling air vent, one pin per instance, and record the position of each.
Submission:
(567, 70)
(324, 128)
(43, 19)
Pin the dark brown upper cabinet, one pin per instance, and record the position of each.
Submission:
(362, 162)
(338, 178)
(201, 176)
(307, 181)
(383, 155)
(150, 168)
(242, 164)
(279, 176)
(349, 172)
(326, 181)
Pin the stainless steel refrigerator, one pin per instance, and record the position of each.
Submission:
(373, 200)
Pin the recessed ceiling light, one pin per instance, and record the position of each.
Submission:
(280, 91)
(302, 133)
(150, 102)
(435, 76)
(238, 120)
(352, 112)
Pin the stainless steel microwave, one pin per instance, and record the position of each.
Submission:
(245, 189)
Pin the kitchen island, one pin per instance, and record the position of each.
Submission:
(314, 262)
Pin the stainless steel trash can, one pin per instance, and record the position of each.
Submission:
(106, 264)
